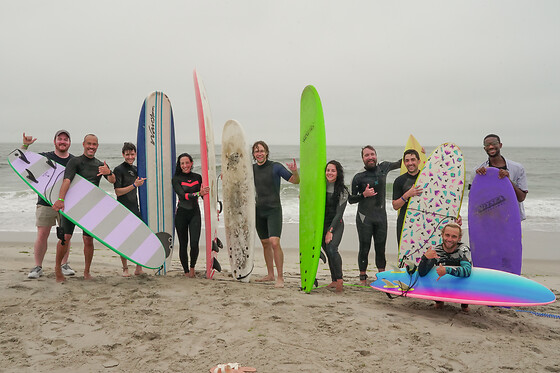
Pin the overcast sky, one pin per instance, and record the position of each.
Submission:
(442, 70)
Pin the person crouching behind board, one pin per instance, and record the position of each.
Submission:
(451, 257)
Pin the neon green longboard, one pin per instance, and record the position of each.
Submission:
(312, 189)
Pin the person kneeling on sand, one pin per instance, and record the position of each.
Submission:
(451, 257)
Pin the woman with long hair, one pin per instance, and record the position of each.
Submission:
(188, 186)
(337, 198)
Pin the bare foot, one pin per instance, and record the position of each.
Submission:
(465, 309)
(332, 284)
(87, 276)
(59, 276)
(265, 279)
(279, 283)
(125, 272)
(138, 271)
(438, 305)
(339, 286)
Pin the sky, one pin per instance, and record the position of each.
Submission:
(442, 70)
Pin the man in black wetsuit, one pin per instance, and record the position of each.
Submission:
(45, 217)
(403, 187)
(91, 169)
(368, 189)
(268, 218)
(126, 184)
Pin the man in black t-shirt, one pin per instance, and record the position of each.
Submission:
(403, 187)
(45, 216)
(126, 184)
(91, 169)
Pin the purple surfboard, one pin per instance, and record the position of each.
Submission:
(494, 223)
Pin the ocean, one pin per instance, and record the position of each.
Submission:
(542, 204)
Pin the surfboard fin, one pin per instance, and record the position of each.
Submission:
(217, 245)
(323, 257)
(389, 284)
(30, 176)
(21, 155)
(51, 163)
(216, 265)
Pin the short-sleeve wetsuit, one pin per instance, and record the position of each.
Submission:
(268, 206)
(125, 175)
(402, 185)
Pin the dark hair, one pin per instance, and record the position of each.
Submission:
(263, 144)
(339, 186)
(128, 146)
(368, 147)
(411, 151)
(492, 135)
(178, 170)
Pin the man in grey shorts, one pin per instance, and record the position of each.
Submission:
(45, 216)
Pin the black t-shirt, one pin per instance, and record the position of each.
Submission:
(88, 168)
(401, 185)
(125, 175)
(63, 161)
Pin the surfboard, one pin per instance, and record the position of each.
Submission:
(208, 163)
(443, 181)
(312, 185)
(156, 162)
(494, 223)
(238, 189)
(92, 209)
(484, 286)
(412, 143)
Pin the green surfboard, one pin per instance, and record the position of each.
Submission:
(312, 188)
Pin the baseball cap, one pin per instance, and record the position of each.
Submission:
(62, 131)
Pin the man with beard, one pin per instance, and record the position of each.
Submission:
(45, 217)
(403, 187)
(510, 169)
(451, 257)
(368, 190)
(91, 169)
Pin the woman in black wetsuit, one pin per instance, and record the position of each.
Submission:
(337, 198)
(188, 186)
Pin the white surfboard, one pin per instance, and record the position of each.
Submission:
(239, 200)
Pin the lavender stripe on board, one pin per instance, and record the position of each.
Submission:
(128, 224)
(99, 212)
(77, 192)
(147, 250)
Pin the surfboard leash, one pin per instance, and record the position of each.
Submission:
(540, 314)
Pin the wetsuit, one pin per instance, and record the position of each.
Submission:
(371, 218)
(401, 185)
(187, 218)
(334, 212)
(125, 175)
(460, 259)
(88, 168)
(268, 207)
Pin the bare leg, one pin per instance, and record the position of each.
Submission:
(61, 252)
(88, 256)
(124, 267)
(269, 260)
(339, 286)
(278, 260)
(40, 246)
(138, 270)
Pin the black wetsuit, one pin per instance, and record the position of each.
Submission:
(268, 217)
(187, 219)
(88, 168)
(371, 218)
(401, 185)
(126, 175)
(334, 212)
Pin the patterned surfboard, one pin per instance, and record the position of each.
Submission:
(92, 209)
(443, 181)
(156, 162)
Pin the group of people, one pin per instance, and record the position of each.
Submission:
(368, 190)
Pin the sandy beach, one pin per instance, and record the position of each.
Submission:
(175, 324)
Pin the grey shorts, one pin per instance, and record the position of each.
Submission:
(45, 216)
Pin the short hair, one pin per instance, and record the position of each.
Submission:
(453, 225)
(492, 135)
(128, 146)
(91, 134)
(411, 151)
(263, 144)
(370, 148)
